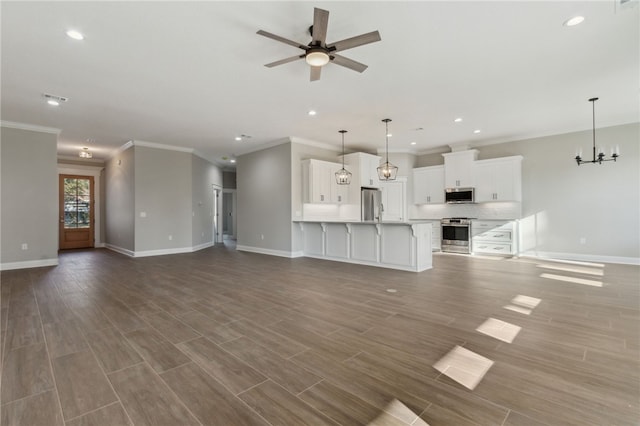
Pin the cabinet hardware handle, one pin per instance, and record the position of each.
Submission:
(339, 198)
(321, 197)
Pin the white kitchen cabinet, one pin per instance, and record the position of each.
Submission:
(498, 179)
(493, 237)
(428, 185)
(364, 167)
(319, 183)
(393, 200)
(458, 168)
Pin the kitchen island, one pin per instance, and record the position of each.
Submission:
(397, 245)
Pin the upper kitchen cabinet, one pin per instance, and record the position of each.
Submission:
(458, 167)
(393, 200)
(364, 168)
(498, 179)
(428, 185)
(319, 183)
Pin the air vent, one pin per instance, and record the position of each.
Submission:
(626, 4)
(49, 96)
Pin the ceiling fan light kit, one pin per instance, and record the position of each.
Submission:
(318, 53)
(600, 157)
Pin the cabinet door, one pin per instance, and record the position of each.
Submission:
(321, 183)
(505, 181)
(428, 185)
(485, 187)
(458, 168)
(369, 171)
(392, 201)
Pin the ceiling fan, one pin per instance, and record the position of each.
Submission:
(318, 53)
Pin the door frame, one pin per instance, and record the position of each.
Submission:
(95, 171)
(61, 210)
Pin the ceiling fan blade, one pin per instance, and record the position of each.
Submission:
(356, 41)
(284, 61)
(282, 40)
(320, 23)
(348, 63)
(315, 73)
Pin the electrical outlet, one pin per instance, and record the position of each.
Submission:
(583, 240)
(262, 236)
(25, 246)
(170, 237)
(143, 214)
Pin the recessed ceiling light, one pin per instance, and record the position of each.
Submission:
(457, 120)
(413, 143)
(238, 138)
(389, 135)
(312, 112)
(232, 160)
(573, 21)
(476, 131)
(53, 102)
(76, 35)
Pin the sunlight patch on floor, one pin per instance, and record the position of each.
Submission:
(564, 278)
(576, 269)
(394, 411)
(465, 367)
(500, 330)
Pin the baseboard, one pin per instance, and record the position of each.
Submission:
(120, 250)
(203, 246)
(28, 264)
(99, 245)
(582, 257)
(160, 252)
(271, 252)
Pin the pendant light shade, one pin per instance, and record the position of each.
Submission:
(387, 171)
(343, 176)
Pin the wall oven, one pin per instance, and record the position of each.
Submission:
(456, 235)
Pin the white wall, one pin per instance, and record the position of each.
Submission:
(29, 200)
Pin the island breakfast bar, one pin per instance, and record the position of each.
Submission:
(397, 245)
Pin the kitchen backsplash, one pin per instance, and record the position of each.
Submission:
(511, 210)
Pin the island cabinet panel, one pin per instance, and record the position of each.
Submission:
(368, 243)
(314, 239)
(337, 240)
(396, 245)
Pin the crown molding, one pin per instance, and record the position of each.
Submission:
(31, 127)
(84, 160)
(162, 146)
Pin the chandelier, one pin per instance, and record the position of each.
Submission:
(387, 171)
(601, 156)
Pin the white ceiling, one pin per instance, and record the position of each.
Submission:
(191, 74)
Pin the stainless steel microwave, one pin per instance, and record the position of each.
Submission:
(459, 195)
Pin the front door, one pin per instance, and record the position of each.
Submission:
(76, 211)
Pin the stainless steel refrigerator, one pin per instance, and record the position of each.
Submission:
(371, 205)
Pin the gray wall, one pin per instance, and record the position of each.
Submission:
(204, 176)
(120, 200)
(29, 186)
(264, 198)
(563, 203)
(163, 192)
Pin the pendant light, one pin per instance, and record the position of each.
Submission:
(387, 171)
(343, 176)
(601, 156)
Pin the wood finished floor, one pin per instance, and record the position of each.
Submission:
(220, 337)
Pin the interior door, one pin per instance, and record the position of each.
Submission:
(76, 211)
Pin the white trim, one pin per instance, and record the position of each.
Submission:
(366, 263)
(120, 250)
(99, 162)
(28, 264)
(301, 141)
(582, 257)
(160, 252)
(162, 146)
(271, 252)
(31, 127)
(120, 149)
(99, 245)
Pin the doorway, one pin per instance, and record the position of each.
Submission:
(229, 213)
(217, 210)
(77, 211)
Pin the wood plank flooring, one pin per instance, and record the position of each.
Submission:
(220, 337)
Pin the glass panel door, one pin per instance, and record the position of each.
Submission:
(76, 211)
